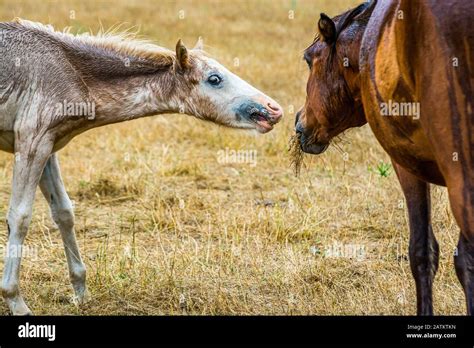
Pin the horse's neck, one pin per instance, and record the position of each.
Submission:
(126, 98)
(123, 86)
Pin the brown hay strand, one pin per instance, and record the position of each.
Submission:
(296, 154)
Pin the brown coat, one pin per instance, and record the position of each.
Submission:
(416, 57)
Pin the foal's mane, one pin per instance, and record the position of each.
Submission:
(110, 43)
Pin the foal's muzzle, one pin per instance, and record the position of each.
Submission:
(264, 116)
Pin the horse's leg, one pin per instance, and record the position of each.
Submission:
(52, 186)
(30, 158)
(464, 263)
(423, 249)
(461, 197)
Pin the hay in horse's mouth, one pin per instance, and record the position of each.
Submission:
(296, 154)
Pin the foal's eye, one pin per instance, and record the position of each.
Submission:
(214, 80)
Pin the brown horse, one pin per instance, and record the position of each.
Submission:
(406, 68)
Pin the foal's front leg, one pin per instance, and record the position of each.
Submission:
(423, 249)
(30, 158)
(52, 186)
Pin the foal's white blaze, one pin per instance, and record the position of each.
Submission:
(238, 103)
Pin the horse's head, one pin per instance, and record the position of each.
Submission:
(213, 93)
(333, 103)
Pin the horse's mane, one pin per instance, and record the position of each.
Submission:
(344, 20)
(114, 41)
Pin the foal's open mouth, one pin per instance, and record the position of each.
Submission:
(262, 120)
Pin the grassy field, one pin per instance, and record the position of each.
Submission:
(166, 227)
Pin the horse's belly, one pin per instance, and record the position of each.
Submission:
(7, 118)
(408, 147)
(7, 141)
(425, 170)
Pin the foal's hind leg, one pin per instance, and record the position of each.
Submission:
(30, 158)
(423, 249)
(52, 186)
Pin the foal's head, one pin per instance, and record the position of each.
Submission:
(333, 102)
(211, 92)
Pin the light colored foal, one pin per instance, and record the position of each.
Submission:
(54, 86)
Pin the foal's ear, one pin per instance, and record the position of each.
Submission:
(199, 46)
(182, 56)
(327, 29)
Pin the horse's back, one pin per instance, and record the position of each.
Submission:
(35, 75)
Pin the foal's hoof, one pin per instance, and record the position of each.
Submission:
(19, 308)
(24, 313)
(81, 298)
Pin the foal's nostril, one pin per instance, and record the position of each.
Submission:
(273, 107)
(275, 111)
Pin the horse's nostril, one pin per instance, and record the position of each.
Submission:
(299, 128)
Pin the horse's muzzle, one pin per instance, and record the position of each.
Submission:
(308, 146)
(314, 148)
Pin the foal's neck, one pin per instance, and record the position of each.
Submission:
(125, 98)
(124, 84)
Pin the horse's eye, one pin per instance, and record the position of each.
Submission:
(214, 80)
(309, 62)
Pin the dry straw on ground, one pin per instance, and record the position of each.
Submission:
(166, 229)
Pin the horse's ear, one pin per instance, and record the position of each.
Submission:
(199, 45)
(182, 56)
(327, 29)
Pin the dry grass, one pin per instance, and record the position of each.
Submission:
(165, 228)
